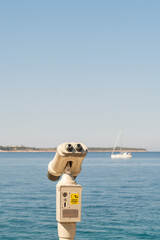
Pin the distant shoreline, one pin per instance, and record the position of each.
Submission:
(89, 150)
(128, 150)
(21, 148)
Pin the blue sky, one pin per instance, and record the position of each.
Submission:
(80, 71)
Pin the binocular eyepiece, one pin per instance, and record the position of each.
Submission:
(78, 147)
(69, 147)
(67, 152)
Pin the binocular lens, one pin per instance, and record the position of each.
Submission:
(79, 147)
(69, 147)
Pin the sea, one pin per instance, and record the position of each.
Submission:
(120, 198)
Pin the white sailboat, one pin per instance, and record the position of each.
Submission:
(121, 155)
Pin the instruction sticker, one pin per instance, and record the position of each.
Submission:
(74, 198)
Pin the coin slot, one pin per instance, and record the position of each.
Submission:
(64, 194)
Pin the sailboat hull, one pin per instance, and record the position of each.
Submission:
(121, 156)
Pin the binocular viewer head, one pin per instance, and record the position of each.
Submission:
(67, 152)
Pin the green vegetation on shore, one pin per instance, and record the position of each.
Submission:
(21, 148)
(117, 149)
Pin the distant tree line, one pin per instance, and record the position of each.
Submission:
(116, 149)
(23, 148)
(18, 148)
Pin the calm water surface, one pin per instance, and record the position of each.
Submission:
(121, 198)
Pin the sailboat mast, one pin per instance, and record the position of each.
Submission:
(117, 141)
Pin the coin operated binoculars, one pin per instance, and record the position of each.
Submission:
(67, 161)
